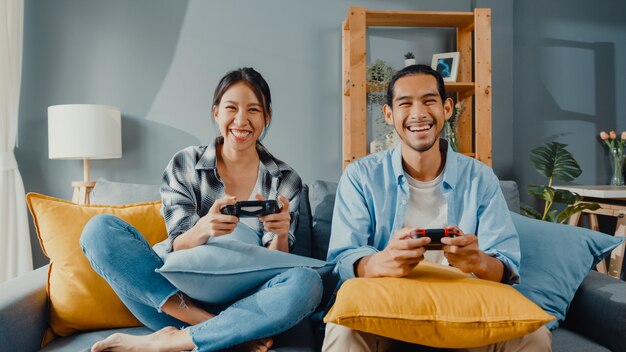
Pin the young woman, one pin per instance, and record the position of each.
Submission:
(197, 183)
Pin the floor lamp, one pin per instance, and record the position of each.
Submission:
(80, 131)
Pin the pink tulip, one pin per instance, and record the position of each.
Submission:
(604, 136)
(612, 134)
(623, 136)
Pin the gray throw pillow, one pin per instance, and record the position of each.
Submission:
(228, 267)
(119, 193)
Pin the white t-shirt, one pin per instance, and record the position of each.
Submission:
(427, 209)
(253, 222)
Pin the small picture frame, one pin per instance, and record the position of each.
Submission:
(447, 64)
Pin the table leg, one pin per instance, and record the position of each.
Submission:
(617, 255)
(574, 219)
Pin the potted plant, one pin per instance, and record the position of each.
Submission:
(378, 76)
(555, 162)
(409, 59)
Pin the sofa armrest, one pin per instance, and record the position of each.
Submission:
(598, 311)
(23, 311)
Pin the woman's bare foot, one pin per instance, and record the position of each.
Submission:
(164, 340)
(260, 345)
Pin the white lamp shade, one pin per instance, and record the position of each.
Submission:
(77, 131)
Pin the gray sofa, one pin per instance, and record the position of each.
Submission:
(596, 320)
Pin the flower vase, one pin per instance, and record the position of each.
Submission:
(450, 135)
(616, 160)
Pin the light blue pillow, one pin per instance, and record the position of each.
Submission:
(228, 267)
(120, 193)
(555, 260)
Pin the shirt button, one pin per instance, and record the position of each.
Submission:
(404, 202)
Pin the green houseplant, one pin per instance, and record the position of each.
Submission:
(378, 76)
(409, 59)
(555, 162)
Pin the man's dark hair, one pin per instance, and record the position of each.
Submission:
(416, 70)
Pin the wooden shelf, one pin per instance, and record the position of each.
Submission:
(463, 88)
(418, 19)
(473, 42)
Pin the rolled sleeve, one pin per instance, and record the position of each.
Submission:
(345, 263)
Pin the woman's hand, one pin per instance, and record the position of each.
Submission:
(278, 224)
(214, 223)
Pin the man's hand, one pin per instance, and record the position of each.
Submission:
(400, 256)
(463, 253)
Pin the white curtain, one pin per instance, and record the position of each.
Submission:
(15, 254)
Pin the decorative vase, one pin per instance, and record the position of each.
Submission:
(409, 62)
(450, 135)
(616, 161)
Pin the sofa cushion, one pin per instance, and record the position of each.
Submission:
(229, 267)
(437, 306)
(302, 246)
(511, 194)
(322, 199)
(297, 339)
(555, 260)
(120, 193)
(564, 340)
(79, 299)
(598, 310)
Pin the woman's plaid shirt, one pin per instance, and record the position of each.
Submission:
(191, 185)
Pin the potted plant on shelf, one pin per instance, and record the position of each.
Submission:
(555, 162)
(449, 127)
(409, 59)
(378, 76)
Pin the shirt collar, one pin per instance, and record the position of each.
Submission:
(449, 171)
(208, 160)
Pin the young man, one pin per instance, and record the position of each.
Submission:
(421, 184)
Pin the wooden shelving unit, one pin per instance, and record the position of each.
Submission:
(474, 76)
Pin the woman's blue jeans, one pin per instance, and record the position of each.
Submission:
(122, 256)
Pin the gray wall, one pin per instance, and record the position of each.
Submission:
(159, 62)
(570, 65)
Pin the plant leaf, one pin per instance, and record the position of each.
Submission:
(573, 209)
(566, 197)
(529, 212)
(552, 215)
(554, 161)
(536, 190)
(542, 192)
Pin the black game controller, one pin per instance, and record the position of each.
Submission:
(435, 236)
(251, 208)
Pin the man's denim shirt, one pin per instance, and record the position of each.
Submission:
(372, 198)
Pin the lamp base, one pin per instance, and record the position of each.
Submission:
(82, 191)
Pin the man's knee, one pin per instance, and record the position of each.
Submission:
(341, 338)
(540, 340)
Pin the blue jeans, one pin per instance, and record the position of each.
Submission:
(122, 256)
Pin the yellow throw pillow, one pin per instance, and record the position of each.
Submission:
(436, 306)
(79, 299)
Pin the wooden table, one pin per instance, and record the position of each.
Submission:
(612, 201)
